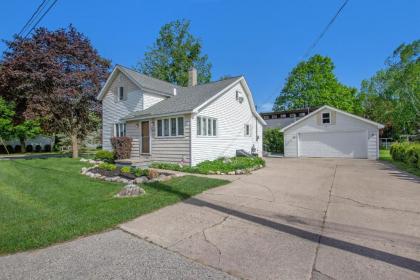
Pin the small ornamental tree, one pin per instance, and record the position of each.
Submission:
(273, 140)
(122, 147)
(55, 76)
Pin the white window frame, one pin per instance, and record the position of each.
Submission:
(120, 129)
(327, 118)
(247, 130)
(121, 91)
(169, 120)
(207, 124)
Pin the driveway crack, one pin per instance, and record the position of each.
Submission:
(324, 218)
(363, 204)
(211, 243)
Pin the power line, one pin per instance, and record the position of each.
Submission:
(308, 51)
(39, 20)
(29, 22)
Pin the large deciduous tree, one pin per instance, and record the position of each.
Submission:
(313, 83)
(392, 95)
(175, 51)
(55, 76)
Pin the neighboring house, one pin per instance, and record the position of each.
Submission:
(284, 118)
(170, 123)
(329, 132)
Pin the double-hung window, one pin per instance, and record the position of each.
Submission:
(326, 119)
(170, 127)
(206, 126)
(121, 96)
(120, 129)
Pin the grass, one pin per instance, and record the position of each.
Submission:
(45, 201)
(224, 165)
(386, 156)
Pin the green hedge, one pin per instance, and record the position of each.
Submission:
(273, 140)
(406, 152)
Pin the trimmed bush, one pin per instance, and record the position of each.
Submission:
(122, 147)
(2, 150)
(18, 149)
(29, 148)
(105, 156)
(38, 148)
(10, 149)
(107, 166)
(47, 148)
(273, 140)
(406, 152)
(152, 174)
(126, 169)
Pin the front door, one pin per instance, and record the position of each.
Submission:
(145, 138)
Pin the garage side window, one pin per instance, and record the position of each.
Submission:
(326, 118)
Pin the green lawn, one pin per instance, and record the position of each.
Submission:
(386, 156)
(44, 201)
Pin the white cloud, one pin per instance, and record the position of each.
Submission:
(266, 107)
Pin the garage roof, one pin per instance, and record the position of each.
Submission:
(334, 109)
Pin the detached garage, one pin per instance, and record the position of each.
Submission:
(329, 132)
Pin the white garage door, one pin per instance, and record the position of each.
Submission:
(333, 144)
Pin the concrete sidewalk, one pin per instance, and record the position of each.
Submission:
(299, 219)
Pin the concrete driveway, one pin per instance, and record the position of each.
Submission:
(299, 219)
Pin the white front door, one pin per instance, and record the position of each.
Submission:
(347, 144)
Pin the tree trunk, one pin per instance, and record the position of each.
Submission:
(75, 146)
(22, 145)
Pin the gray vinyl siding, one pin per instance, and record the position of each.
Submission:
(172, 149)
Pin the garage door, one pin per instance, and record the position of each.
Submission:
(333, 144)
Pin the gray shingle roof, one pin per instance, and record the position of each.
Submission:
(150, 82)
(186, 99)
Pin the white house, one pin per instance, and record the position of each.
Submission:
(329, 132)
(170, 123)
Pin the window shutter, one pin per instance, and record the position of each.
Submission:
(333, 117)
(318, 118)
(116, 94)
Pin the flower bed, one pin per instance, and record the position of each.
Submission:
(127, 175)
(223, 166)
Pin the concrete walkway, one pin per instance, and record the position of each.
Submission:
(299, 219)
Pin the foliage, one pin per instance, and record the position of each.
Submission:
(122, 147)
(126, 169)
(175, 51)
(313, 83)
(223, 165)
(55, 76)
(273, 140)
(152, 174)
(29, 148)
(385, 155)
(138, 172)
(38, 148)
(107, 166)
(392, 95)
(6, 120)
(89, 204)
(105, 156)
(406, 152)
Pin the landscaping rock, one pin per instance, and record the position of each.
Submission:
(141, 180)
(84, 170)
(238, 172)
(130, 190)
(211, 172)
(163, 177)
(218, 172)
(231, 173)
(84, 160)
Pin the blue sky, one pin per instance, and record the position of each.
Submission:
(262, 40)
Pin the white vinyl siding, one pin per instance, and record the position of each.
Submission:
(339, 123)
(231, 116)
(151, 99)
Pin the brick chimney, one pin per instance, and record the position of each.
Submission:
(192, 77)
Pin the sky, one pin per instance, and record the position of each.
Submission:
(262, 40)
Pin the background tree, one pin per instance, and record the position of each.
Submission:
(55, 76)
(392, 95)
(6, 121)
(273, 140)
(313, 83)
(175, 51)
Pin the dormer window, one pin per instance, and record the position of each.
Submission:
(121, 93)
(326, 118)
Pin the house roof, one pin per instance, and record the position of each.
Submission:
(334, 109)
(293, 111)
(185, 100)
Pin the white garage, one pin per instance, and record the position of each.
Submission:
(329, 132)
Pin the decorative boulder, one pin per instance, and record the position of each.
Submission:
(140, 180)
(231, 173)
(130, 190)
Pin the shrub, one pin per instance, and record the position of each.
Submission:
(47, 148)
(10, 149)
(151, 174)
(38, 148)
(406, 152)
(29, 148)
(141, 172)
(122, 146)
(18, 149)
(126, 169)
(107, 166)
(273, 140)
(105, 156)
(2, 150)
